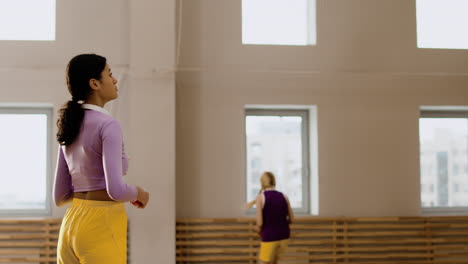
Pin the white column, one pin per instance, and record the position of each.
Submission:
(151, 128)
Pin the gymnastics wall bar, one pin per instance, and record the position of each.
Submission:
(409, 240)
(29, 241)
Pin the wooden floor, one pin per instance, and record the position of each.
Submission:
(330, 240)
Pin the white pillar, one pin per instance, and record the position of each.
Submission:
(151, 128)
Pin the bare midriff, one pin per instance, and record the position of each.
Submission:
(98, 195)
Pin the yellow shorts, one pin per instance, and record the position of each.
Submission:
(270, 251)
(93, 232)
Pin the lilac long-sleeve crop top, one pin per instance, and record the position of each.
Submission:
(96, 160)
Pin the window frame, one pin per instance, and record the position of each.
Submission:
(306, 141)
(43, 109)
(441, 112)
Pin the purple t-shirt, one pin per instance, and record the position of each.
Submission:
(96, 160)
(275, 217)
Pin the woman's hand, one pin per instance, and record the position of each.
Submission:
(258, 230)
(250, 205)
(142, 198)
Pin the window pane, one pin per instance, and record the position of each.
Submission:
(27, 19)
(278, 22)
(442, 24)
(274, 143)
(444, 144)
(23, 157)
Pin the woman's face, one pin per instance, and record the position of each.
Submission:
(108, 88)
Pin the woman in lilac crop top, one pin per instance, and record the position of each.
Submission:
(90, 167)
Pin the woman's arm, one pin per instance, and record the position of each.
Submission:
(112, 152)
(125, 160)
(259, 204)
(251, 204)
(63, 188)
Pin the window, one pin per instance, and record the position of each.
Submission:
(278, 141)
(441, 133)
(27, 19)
(25, 138)
(279, 22)
(455, 169)
(442, 24)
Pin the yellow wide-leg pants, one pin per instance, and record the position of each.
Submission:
(93, 232)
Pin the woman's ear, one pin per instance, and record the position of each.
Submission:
(94, 84)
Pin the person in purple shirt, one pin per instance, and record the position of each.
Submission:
(274, 215)
(91, 164)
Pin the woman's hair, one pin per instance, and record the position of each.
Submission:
(271, 182)
(80, 70)
(271, 178)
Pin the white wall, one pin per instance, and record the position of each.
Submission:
(366, 76)
(138, 38)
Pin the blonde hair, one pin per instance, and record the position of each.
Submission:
(271, 183)
(271, 179)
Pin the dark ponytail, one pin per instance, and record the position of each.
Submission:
(80, 70)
